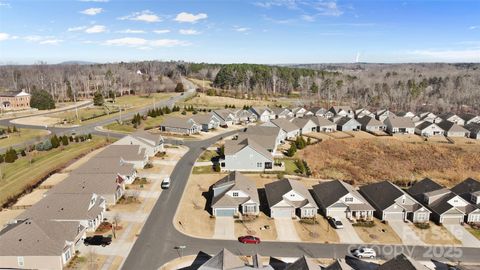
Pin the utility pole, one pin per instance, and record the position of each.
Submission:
(75, 102)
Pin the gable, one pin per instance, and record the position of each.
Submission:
(292, 195)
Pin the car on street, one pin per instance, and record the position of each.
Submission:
(337, 224)
(97, 240)
(249, 239)
(364, 252)
(166, 183)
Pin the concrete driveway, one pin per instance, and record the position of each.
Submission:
(348, 234)
(224, 228)
(406, 233)
(467, 239)
(286, 230)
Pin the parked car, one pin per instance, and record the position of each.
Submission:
(97, 240)
(249, 239)
(165, 183)
(337, 224)
(364, 252)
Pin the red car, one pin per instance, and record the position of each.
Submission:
(248, 239)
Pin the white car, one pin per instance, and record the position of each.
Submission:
(166, 183)
(364, 252)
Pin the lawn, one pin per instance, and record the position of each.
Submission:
(208, 155)
(435, 235)
(21, 136)
(202, 169)
(317, 230)
(380, 233)
(474, 232)
(20, 174)
(136, 101)
(290, 166)
(125, 127)
(84, 113)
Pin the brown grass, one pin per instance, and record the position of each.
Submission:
(435, 235)
(253, 228)
(321, 232)
(381, 233)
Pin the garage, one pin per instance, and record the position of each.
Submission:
(225, 212)
(337, 212)
(394, 216)
(282, 212)
(451, 219)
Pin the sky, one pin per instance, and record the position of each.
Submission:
(234, 31)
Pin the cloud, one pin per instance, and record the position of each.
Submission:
(189, 32)
(278, 21)
(144, 16)
(291, 4)
(96, 29)
(50, 42)
(473, 27)
(327, 8)
(308, 18)
(161, 31)
(76, 28)
(319, 7)
(465, 55)
(189, 17)
(241, 29)
(145, 43)
(4, 36)
(131, 31)
(4, 4)
(34, 38)
(92, 11)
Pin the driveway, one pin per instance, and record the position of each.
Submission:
(348, 234)
(286, 230)
(467, 239)
(405, 232)
(224, 228)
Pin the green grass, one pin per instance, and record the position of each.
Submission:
(83, 113)
(20, 174)
(475, 232)
(202, 169)
(21, 136)
(208, 155)
(141, 101)
(290, 166)
(125, 127)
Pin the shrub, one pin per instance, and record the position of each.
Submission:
(11, 155)
(216, 167)
(422, 225)
(98, 99)
(23, 153)
(64, 140)
(292, 150)
(364, 223)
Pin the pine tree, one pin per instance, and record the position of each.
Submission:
(64, 140)
(292, 150)
(54, 141)
(11, 156)
(15, 129)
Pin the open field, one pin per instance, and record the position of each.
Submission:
(136, 101)
(217, 102)
(369, 160)
(22, 136)
(22, 173)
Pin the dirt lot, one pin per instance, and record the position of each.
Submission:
(320, 232)
(435, 235)
(368, 160)
(380, 233)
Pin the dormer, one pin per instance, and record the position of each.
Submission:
(475, 198)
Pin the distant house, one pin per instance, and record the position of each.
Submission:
(392, 203)
(429, 117)
(152, 143)
(14, 100)
(452, 117)
(399, 125)
(342, 111)
(410, 115)
(453, 130)
(180, 125)
(88, 209)
(291, 130)
(245, 116)
(39, 244)
(301, 112)
(371, 124)
(264, 114)
(381, 115)
(289, 198)
(323, 124)
(246, 155)
(108, 165)
(206, 121)
(306, 125)
(282, 112)
(468, 189)
(226, 117)
(340, 200)
(322, 112)
(474, 130)
(132, 154)
(348, 124)
(428, 129)
(235, 194)
(359, 113)
(469, 118)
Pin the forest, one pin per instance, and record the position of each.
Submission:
(426, 86)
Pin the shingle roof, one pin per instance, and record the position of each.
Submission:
(344, 120)
(178, 122)
(425, 125)
(330, 192)
(450, 126)
(87, 183)
(202, 119)
(145, 135)
(467, 116)
(368, 121)
(301, 122)
(303, 263)
(320, 121)
(223, 260)
(233, 146)
(339, 264)
(285, 124)
(236, 181)
(127, 152)
(423, 186)
(382, 194)
(277, 189)
(224, 113)
(10, 93)
(107, 165)
(280, 111)
(473, 128)
(401, 122)
(402, 262)
(337, 109)
(468, 185)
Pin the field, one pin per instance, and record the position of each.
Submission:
(369, 160)
(22, 136)
(216, 102)
(22, 173)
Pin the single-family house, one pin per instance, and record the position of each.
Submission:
(264, 114)
(245, 116)
(206, 121)
(468, 189)
(453, 130)
(452, 117)
(226, 260)
(340, 200)
(370, 124)
(348, 124)
(410, 115)
(39, 244)
(180, 125)
(268, 137)
(339, 264)
(246, 155)
(323, 124)
(108, 165)
(474, 130)
(14, 100)
(322, 112)
(429, 129)
(303, 263)
(152, 143)
(235, 194)
(381, 115)
(301, 112)
(291, 130)
(392, 203)
(399, 125)
(429, 117)
(88, 209)
(289, 198)
(359, 113)
(305, 124)
(225, 116)
(402, 262)
(342, 111)
(469, 118)
(131, 154)
(282, 112)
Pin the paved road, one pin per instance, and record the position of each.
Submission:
(156, 244)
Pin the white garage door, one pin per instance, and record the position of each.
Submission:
(394, 216)
(452, 219)
(282, 212)
(224, 212)
(336, 213)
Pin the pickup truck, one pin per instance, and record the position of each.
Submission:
(97, 240)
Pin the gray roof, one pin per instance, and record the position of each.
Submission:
(223, 260)
(145, 135)
(285, 124)
(280, 111)
(63, 206)
(105, 165)
(178, 122)
(401, 122)
(330, 192)
(301, 122)
(235, 181)
(203, 119)
(87, 183)
(339, 264)
(344, 120)
(260, 110)
(126, 152)
(402, 262)
(368, 121)
(320, 121)
(467, 116)
(382, 194)
(263, 131)
(303, 263)
(467, 186)
(37, 237)
(337, 109)
(10, 93)
(234, 146)
(473, 128)
(224, 113)
(450, 126)
(425, 125)
(441, 205)
(423, 186)
(277, 189)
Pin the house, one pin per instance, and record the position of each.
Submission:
(410, 115)
(468, 189)
(282, 113)
(109, 186)
(340, 200)
(39, 244)
(108, 165)
(301, 112)
(306, 125)
(226, 260)
(469, 118)
(86, 208)
(264, 114)
(474, 130)
(371, 124)
(206, 121)
(245, 117)
(226, 117)
(348, 124)
(452, 117)
(303, 263)
(342, 111)
(399, 125)
(359, 113)
(339, 264)
(381, 115)
(130, 154)
(268, 137)
(151, 143)
(392, 203)
(429, 117)
(323, 124)
(453, 130)
(14, 100)
(402, 262)
(180, 125)
(322, 112)
(289, 198)
(428, 129)
(246, 155)
(235, 194)
(291, 130)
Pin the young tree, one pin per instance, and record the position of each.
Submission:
(11, 156)
(54, 141)
(65, 140)
(98, 99)
(292, 150)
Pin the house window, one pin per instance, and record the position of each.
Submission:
(21, 261)
(403, 200)
(235, 194)
(67, 255)
(348, 199)
(259, 164)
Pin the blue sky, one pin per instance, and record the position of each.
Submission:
(225, 31)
